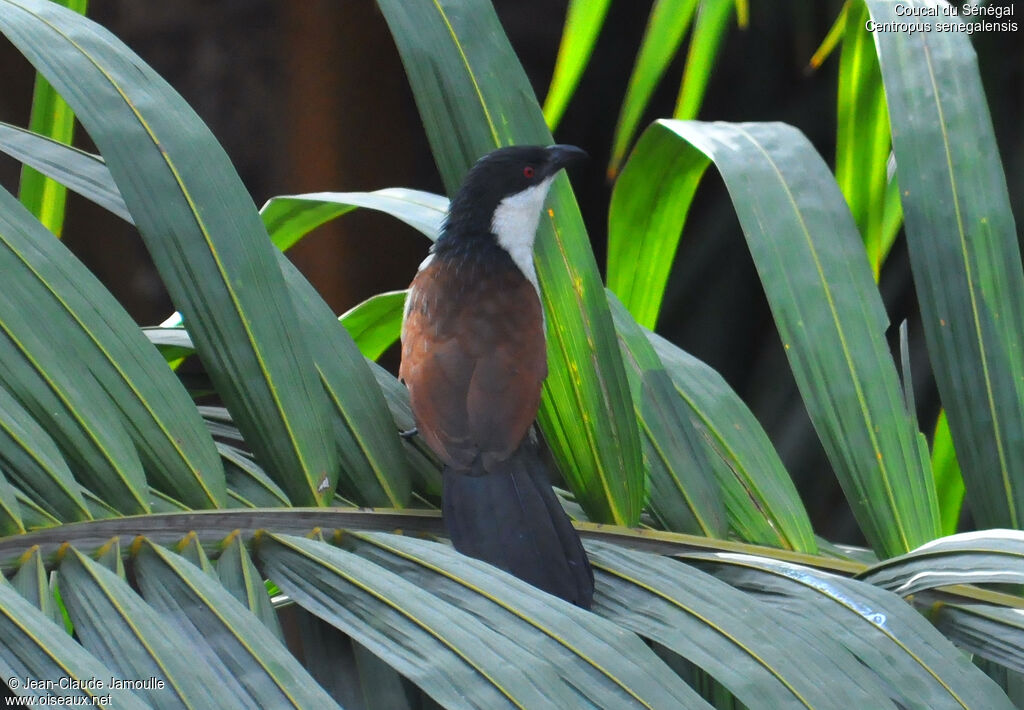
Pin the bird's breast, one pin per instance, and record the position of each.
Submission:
(473, 357)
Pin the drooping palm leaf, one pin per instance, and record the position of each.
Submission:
(964, 252)
(203, 232)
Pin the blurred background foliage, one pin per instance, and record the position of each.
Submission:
(311, 96)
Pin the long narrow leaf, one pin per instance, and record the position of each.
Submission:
(203, 232)
(830, 317)
(684, 494)
(760, 498)
(367, 445)
(988, 631)
(862, 138)
(70, 405)
(288, 218)
(32, 460)
(453, 657)
(922, 669)
(982, 557)
(583, 22)
(610, 666)
(157, 411)
(202, 610)
(77, 170)
(648, 208)
(116, 625)
(964, 252)
(708, 32)
(666, 26)
(10, 511)
(743, 646)
(373, 467)
(33, 647)
(239, 576)
(53, 118)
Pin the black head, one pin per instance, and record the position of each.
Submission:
(503, 173)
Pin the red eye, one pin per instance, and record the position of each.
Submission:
(528, 172)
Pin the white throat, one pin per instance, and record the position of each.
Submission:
(515, 225)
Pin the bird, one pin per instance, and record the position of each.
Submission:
(474, 358)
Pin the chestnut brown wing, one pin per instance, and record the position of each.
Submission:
(473, 358)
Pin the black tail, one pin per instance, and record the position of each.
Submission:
(512, 519)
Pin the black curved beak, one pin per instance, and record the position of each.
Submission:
(562, 156)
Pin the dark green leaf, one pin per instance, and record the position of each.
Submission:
(760, 498)
(204, 612)
(684, 494)
(830, 318)
(453, 657)
(611, 667)
(35, 647)
(964, 252)
(745, 646)
(920, 668)
(157, 412)
(113, 623)
(203, 233)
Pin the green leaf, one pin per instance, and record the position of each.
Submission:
(367, 443)
(610, 667)
(289, 218)
(742, 644)
(830, 317)
(964, 252)
(35, 647)
(862, 138)
(34, 463)
(450, 655)
(981, 557)
(583, 22)
(666, 26)
(53, 118)
(949, 484)
(203, 233)
(65, 399)
(684, 494)
(760, 498)
(708, 32)
(473, 97)
(156, 410)
(10, 511)
(239, 576)
(204, 612)
(32, 581)
(376, 323)
(832, 38)
(649, 204)
(116, 625)
(81, 172)
(989, 631)
(248, 483)
(372, 471)
(917, 664)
